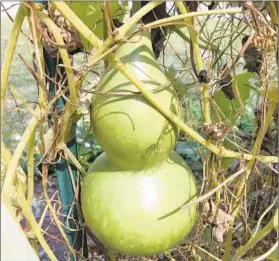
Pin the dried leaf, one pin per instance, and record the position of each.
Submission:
(219, 219)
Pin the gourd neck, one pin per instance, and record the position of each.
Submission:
(139, 43)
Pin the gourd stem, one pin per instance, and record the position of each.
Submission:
(64, 55)
(253, 241)
(38, 55)
(54, 215)
(21, 13)
(11, 169)
(193, 35)
(13, 164)
(198, 58)
(241, 183)
(123, 30)
(94, 40)
(66, 132)
(30, 167)
(178, 18)
(67, 175)
(220, 151)
(205, 45)
(27, 212)
(274, 13)
(267, 253)
(15, 93)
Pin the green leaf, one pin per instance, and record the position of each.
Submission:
(91, 13)
(272, 91)
(176, 82)
(171, 72)
(229, 108)
(224, 105)
(226, 162)
(244, 88)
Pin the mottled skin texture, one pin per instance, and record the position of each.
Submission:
(130, 130)
(123, 208)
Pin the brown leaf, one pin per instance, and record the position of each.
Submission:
(219, 219)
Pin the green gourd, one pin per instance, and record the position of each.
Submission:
(137, 212)
(132, 132)
(92, 15)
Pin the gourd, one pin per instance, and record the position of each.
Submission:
(132, 193)
(136, 213)
(91, 14)
(132, 132)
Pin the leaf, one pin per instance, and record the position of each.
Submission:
(226, 162)
(244, 88)
(91, 13)
(48, 141)
(272, 91)
(219, 218)
(230, 107)
(224, 105)
(176, 82)
(171, 72)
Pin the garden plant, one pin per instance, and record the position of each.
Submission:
(153, 134)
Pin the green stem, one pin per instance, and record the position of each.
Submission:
(21, 13)
(206, 252)
(70, 108)
(35, 245)
(73, 159)
(205, 45)
(38, 56)
(263, 215)
(101, 47)
(11, 170)
(21, 98)
(206, 102)
(64, 55)
(273, 11)
(241, 184)
(27, 212)
(193, 35)
(268, 253)
(54, 215)
(253, 241)
(198, 59)
(30, 167)
(107, 29)
(111, 255)
(13, 165)
(169, 20)
(123, 30)
(86, 33)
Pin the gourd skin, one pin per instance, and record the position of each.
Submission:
(122, 208)
(131, 131)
